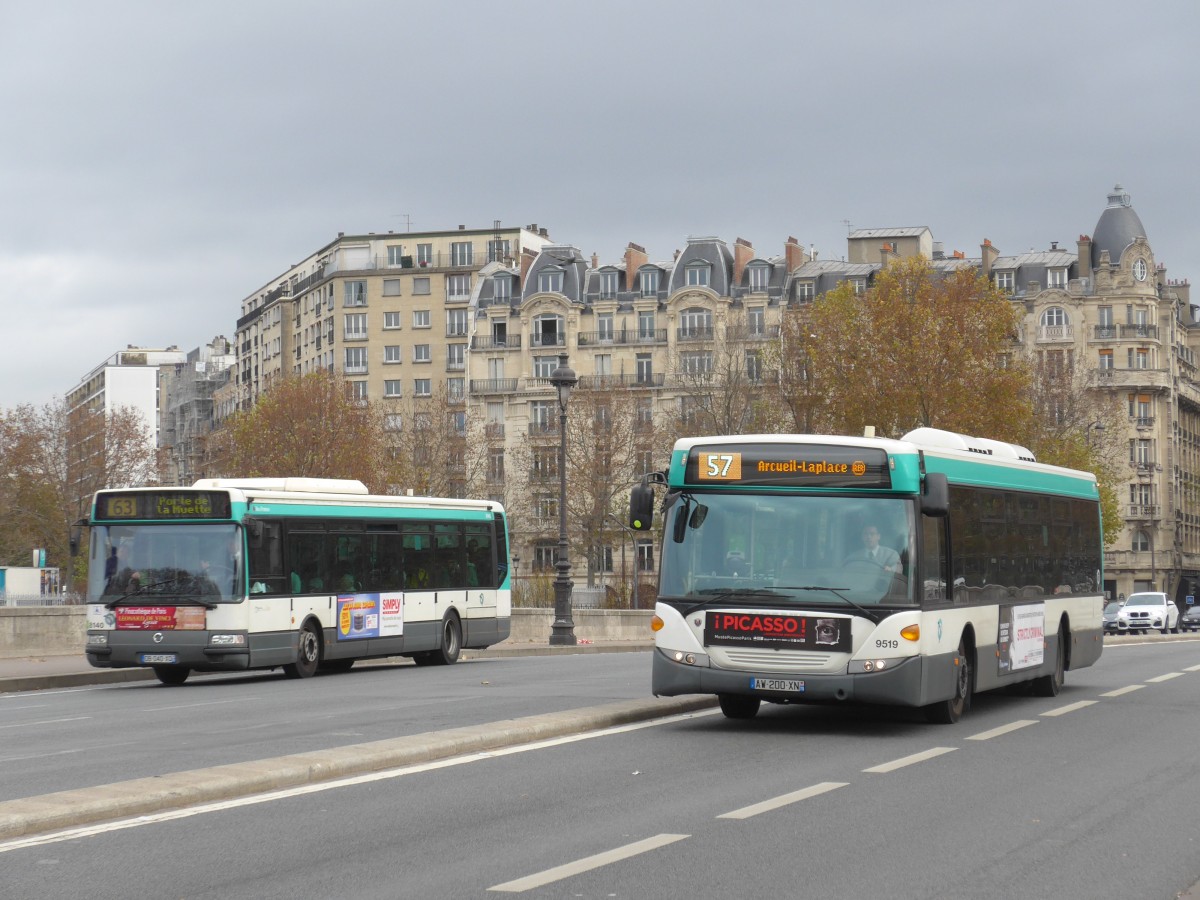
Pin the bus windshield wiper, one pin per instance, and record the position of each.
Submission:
(875, 616)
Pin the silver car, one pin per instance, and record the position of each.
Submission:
(1190, 620)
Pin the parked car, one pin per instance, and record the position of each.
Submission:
(1147, 610)
(1110, 617)
(1190, 620)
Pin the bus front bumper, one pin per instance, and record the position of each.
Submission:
(904, 685)
(188, 649)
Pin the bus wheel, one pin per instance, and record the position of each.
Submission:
(738, 706)
(947, 712)
(308, 656)
(1050, 685)
(451, 645)
(172, 674)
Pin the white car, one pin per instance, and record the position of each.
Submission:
(1148, 610)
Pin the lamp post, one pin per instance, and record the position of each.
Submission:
(562, 632)
(1098, 427)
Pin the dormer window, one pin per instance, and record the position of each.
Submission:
(550, 280)
(760, 277)
(608, 285)
(1056, 278)
(1004, 282)
(648, 282)
(698, 275)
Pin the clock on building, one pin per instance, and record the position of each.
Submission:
(1139, 269)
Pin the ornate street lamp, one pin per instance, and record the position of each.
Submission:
(562, 632)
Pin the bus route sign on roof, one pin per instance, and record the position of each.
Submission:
(812, 465)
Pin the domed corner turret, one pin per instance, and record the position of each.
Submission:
(1118, 227)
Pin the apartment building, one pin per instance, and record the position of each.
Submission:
(1106, 309)
(389, 311)
(655, 335)
(187, 418)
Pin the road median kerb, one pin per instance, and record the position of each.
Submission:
(143, 796)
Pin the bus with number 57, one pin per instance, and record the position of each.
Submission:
(913, 572)
(302, 574)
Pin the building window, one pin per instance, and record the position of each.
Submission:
(1139, 452)
(460, 253)
(354, 293)
(456, 357)
(645, 368)
(602, 559)
(1056, 278)
(391, 320)
(391, 353)
(645, 556)
(603, 365)
(753, 366)
(696, 362)
(546, 507)
(1004, 281)
(356, 360)
(548, 332)
(859, 285)
(421, 286)
(395, 253)
(695, 323)
(358, 390)
(422, 387)
(502, 287)
(645, 413)
(1139, 358)
(456, 322)
(544, 366)
(608, 285)
(1055, 317)
(499, 250)
(646, 321)
(760, 277)
(421, 318)
(456, 388)
(540, 414)
(755, 323)
(458, 287)
(355, 325)
(550, 281)
(648, 282)
(424, 254)
(421, 353)
(495, 465)
(805, 291)
(392, 422)
(391, 287)
(1140, 409)
(543, 465)
(544, 557)
(604, 327)
(1106, 360)
(1141, 542)
(391, 387)
(697, 275)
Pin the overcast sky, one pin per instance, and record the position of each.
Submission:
(161, 160)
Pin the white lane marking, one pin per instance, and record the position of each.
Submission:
(1070, 707)
(1159, 678)
(558, 873)
(6, 708)
(1192, 669)
(45, 722)
(287, 793)
(8, 759)
(1003, 729)
(910, 760)
(1128, 689)
(783, 800)
(205, 703)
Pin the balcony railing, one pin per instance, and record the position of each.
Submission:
(493, 385)
(1054, 333)
(694, 333)
(540, 429)
(744, 333)
(1140, 331)
(622, 337)
(1142, 511)
(547, 340)
(512, 342)
(456, 365)
(494, 431)
(1130, 378)
(602, 382)
(1106, 332)
(1143, 421)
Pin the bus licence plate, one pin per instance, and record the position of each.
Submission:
(159, 658)
(788, 685)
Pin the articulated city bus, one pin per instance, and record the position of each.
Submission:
(298, 573)
(804, 568)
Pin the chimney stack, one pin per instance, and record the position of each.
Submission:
(793, 254)
(742, 254)
(1085, 256)
(635, 258)
(989, 254)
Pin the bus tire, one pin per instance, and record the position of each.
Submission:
(172, 674)
(308, 654)
(1050, 685)
(449, 647)
(738, 706)
(947, 712)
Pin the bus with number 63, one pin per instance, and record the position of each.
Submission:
(303, 574)
(912, 572)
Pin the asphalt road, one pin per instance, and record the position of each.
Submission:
(1090, 794)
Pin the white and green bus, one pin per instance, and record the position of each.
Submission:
(914, 572)
(301, 574)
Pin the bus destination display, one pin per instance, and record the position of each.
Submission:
(794, 465)
(178, 504)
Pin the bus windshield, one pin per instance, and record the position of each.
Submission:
(165, 564)
(784, 549)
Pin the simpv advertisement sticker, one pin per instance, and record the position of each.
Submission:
(1021, 638)
(370, 616)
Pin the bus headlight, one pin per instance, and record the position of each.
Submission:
(228, 640)
(97, 639)
(861, 666)
(687, 657)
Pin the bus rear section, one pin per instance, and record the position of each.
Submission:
(927, 576)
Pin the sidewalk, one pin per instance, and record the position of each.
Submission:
(46, 672)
